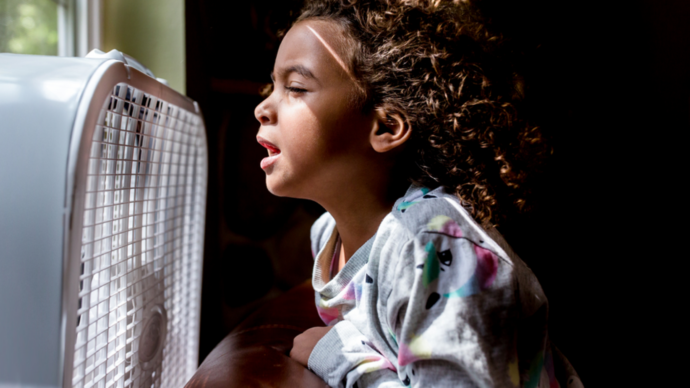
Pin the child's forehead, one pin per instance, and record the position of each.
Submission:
(329, 37)
(314, 44)
(329, 31)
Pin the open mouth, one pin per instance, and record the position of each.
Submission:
(273, 152)
(272, 149)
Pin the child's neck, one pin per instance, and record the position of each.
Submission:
(358, 212)
(358, 223)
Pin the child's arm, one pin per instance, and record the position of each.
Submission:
(304, 343)
(345, 358)
(450, 321)
(453, 310)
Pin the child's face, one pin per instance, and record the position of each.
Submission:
(317, 138)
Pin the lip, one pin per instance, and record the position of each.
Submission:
(273, 151)
(268, 161)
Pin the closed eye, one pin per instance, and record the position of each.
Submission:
(295, 90)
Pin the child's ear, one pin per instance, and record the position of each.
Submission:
(390, 131)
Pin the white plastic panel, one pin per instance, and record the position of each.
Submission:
(142, 241)
(39, 96)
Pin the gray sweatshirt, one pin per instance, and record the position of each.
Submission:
(431, 300)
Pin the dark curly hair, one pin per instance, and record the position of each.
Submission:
(437, 64)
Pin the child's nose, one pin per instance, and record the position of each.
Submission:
(265, 115)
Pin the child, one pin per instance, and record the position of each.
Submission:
(417, 288)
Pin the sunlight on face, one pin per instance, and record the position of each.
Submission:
(337, 58)
(316, 138)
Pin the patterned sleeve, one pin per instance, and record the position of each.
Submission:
(452, 311)
(345, 359)
(451, 315)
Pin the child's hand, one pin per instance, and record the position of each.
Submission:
(304, 343)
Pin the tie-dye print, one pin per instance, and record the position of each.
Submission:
(431, 266)
(353, 291)
(542, 368)
(392, 336)
(514, 372)
(548, 365)
(484, 275)
(534, 371)
(405, 205)
(411, 200)
(417, 349)
(439, 263)
(373, 363)
(328, 315)
(445, 225)
(431, 288)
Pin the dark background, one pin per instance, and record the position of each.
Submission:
(610, 84)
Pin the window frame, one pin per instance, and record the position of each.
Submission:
(79, 27)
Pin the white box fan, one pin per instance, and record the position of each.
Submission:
(103, 175)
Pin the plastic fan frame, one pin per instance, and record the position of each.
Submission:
(97, 91)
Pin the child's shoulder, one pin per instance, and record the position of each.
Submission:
(425, 212)
(434, 210)
(419, 212)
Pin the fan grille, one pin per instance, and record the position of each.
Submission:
(139, 285)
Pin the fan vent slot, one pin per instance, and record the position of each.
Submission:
(140, 264)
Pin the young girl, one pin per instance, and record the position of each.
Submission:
(415, 284)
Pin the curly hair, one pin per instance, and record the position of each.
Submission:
(437, 64)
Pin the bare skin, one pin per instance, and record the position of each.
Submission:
(324, 148)
(304, 343)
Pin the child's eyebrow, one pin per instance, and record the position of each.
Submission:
(299, 69)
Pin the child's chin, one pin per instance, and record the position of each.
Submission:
(276, 188)
(282, 183)
(282, 188)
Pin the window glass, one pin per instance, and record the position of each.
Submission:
(29, 27)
